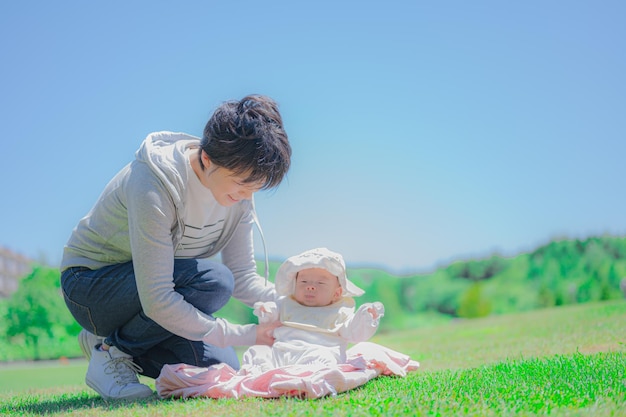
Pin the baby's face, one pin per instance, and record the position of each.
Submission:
(316, 287)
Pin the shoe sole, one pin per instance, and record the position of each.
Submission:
(136, 396)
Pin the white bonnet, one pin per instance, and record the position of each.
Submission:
(285, 281)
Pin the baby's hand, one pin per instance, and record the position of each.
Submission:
(266, 312)
(376, 310)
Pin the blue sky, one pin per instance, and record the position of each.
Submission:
(423, 132)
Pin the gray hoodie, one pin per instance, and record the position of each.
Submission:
(138, 217)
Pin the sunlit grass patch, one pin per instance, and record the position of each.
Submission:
(560, 362)
(536, 386)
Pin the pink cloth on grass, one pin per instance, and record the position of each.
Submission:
(365, 361)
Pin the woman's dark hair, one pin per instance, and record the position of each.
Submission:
(248, 138)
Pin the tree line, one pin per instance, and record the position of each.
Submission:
(558, 273)
(38, 325)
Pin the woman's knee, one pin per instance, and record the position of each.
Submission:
(205, 284)
(217, 277)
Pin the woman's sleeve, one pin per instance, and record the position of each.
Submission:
(151, 219)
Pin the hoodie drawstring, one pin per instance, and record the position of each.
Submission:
(258, 225)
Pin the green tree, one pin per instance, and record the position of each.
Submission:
(37, 312)
(545, 297)
(473, 303)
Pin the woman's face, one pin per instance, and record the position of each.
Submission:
(226, 187)
(316, 287)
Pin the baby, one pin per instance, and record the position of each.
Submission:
(317, 313)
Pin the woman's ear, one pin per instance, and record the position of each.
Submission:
(206, 161)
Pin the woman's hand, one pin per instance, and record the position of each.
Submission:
(265, 333)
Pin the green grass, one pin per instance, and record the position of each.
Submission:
(568, 361)
(33, 377)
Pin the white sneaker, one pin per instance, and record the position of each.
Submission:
(88, 341)
(113, 375)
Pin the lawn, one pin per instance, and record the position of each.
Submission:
(567, 361)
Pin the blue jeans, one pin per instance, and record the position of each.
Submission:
(106, 303)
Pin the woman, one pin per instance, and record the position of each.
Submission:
(135, 271)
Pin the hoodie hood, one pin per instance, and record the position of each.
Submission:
(164, 153)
